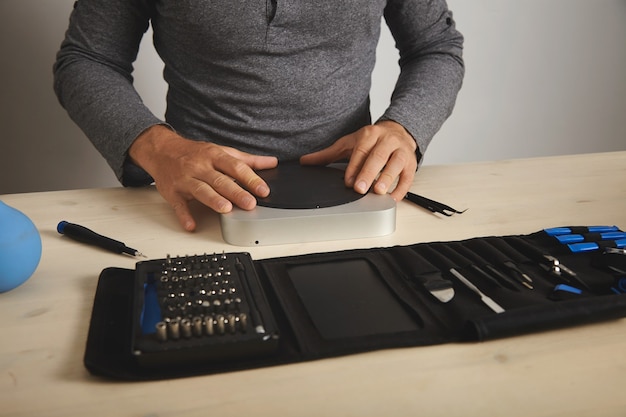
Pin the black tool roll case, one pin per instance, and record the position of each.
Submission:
(212, 313)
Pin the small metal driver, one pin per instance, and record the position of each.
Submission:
(618, 251)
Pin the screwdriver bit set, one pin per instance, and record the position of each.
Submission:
(191, 308)
(191, 315)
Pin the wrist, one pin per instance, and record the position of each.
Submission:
(149, 144)
(399, 130)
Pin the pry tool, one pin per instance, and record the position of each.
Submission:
(448, 265)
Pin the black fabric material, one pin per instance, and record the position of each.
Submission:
(345, 309)
(539, 318)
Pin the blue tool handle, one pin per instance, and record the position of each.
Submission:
(613, 235)
(564, 239)
(591, 246)
(555, 231)
(568, 288)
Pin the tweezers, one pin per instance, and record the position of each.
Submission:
(432, 205)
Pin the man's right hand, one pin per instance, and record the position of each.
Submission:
(185, 170)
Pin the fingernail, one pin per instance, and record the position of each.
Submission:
(381, 188)
(262, 190)
(248, 203)
(361, 187)
(224, 206)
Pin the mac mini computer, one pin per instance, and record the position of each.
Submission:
(308, 204)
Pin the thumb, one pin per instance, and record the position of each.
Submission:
(253, 161)
(323, 157)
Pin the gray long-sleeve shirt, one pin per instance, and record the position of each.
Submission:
(271, 77)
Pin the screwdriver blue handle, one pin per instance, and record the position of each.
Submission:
(580, 238)
(555, 231)
(591, 246)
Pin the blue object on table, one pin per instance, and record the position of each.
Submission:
(580, 238)
(591, 246)
(20, 248)
(568, 288)
(555, 231)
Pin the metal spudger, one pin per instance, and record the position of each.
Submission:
(488, 301)
(84, 235)
(615, 250)
(432, 205)
(447, 264)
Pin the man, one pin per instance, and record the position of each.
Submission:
(252, 82)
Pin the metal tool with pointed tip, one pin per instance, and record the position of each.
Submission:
(488, 301)
(432, 205)
(447, 264)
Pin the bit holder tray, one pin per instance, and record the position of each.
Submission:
(198, 308)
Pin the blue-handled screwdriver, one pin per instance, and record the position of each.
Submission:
(591, 246)
(593, 237)
(554, 231)
(84, 235)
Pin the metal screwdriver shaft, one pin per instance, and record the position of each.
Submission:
(254, 313)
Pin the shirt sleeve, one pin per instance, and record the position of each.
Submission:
(431, 66)
(93, 78)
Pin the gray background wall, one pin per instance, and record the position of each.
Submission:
(544, 77)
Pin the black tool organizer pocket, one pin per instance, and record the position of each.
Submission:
(337, 303)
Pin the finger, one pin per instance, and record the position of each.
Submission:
(222, 192)
(404, 180)
(257, 161)
(244, 176)
(365, 141)
(256, 184)
(335, 152)
(181, 209)
(398, 164)
(180, 206)
(372, 166)
(403, 186)
(205, 193)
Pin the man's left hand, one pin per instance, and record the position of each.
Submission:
(378, 155)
